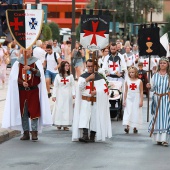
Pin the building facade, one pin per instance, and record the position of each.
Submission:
(60, 11)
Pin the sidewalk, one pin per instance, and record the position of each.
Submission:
(5, 134)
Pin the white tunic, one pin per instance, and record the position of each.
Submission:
(96, 117)
(132, 112)
(64, 91)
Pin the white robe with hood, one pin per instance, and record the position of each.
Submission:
(12, 114)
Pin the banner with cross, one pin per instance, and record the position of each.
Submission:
(94, 33)
(25, 25)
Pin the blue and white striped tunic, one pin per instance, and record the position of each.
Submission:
(160, 85)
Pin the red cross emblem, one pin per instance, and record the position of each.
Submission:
(133, 86)
(94, 32)
(140, 76)
(114, 66)
(106, 90)
(64, 80)
(145, 63)
(90, 87)
(16, 24)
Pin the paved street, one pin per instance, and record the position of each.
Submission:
(55, 151)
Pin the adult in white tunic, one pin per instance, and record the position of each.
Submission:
(91, 108)
(63, 95)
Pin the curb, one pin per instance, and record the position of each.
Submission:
(6, 134)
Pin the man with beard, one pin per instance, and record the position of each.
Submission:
(116, 66)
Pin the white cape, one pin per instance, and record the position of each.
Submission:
(103, 121)
(12, 115)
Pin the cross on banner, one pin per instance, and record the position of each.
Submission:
(114, 66)
(90, 87)
(64, 80)
(94, 33)
(16, 24)
(133, 86)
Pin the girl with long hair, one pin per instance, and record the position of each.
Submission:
(63, 95)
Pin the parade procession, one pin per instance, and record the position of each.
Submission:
(97, 101)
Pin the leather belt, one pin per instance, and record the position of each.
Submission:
(27, 88)
(89, 99)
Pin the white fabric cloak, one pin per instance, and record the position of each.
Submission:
(12, 115)
(103, 121)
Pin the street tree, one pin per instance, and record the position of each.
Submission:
(55, 31)
(46, 32)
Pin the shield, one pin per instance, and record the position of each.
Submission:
(94, 31)
(25, 25)
(28, 73)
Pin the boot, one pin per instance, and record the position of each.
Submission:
(92, 136)
(26, 136)
(34, 135)
(85, 137)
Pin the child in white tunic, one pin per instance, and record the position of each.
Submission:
(133, 101)
(63, 95)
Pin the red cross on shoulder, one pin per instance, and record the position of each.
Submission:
(90, 88)
(114, 66)
(64, 80)
(133, 86)
(145, 63)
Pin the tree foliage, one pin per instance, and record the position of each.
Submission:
(46, 32)
(55, 31)
(166, 29)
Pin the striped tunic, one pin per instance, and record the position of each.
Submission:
(160, 85)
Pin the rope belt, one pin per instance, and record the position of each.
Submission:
(27, 88)
(159, 101)
(89, 99)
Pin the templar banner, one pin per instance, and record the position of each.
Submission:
(94, 33)
(25, 26)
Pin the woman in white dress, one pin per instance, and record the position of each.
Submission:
(63, 95)
(133, 101)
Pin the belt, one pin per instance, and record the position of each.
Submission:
(89, 99)
(27, 88)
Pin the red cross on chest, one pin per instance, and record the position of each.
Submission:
(106, 90)
(145, 63)
(114, 66)
(90, 87)
(16, 24)
(64, 80)
(140, 76)
(133, 86)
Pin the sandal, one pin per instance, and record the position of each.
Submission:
(59, 128)
(126, 130)
(135, 130)
(66, 128)
(159, 143)
(165, 144)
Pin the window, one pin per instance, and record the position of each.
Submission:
(53, 15)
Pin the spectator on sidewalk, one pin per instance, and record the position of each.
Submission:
(38, 52)
(52, 63)
(27, 99)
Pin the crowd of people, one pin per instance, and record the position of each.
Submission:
(49, 74)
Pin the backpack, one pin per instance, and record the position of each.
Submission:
(55, 57)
